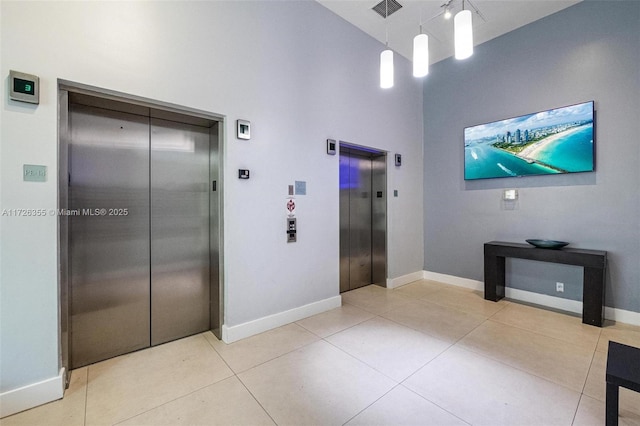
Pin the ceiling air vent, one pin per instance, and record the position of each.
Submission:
(387, 7)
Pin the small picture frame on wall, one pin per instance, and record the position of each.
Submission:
(243, 129)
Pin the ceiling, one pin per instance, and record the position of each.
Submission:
(495, 18)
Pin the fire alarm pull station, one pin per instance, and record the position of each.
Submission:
(291, 230)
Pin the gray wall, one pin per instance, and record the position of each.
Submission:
(587, 52)
(301, 75)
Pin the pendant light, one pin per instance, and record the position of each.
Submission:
(386, 69)
(463, 34)
(420, 54)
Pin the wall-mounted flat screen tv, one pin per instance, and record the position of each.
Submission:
(559, 140)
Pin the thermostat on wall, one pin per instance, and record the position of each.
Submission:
(244, 129)
(24, 87)
(331, 146)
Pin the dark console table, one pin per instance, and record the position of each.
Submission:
(594, 263)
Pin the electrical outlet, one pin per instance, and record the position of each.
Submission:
(560, 287)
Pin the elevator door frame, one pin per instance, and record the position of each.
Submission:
(112, 99)
(379, 216)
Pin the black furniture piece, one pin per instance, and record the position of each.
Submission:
(623, 369)
(594, 263)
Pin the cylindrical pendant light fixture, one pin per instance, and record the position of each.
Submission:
(386, 69)
(463, 34)
(421, 55)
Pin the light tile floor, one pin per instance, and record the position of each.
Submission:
(423, 354)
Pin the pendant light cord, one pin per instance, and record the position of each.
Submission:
(386, 23)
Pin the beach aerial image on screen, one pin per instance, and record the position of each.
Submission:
(555, 141)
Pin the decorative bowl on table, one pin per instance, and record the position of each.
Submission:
(548, 244)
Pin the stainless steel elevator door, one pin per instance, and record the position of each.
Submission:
(180, 189)
(362, 219)
(140, 246)
(359, 222)
(109, 248)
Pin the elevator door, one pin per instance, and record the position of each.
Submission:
(179, 230)
(139, 234)
(362, 219)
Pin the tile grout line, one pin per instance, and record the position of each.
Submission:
(340, 331)
(233, 374)
(575, 413)
(181, 396)
(401, 325)
(368, 406)
(172, 400)
(434, 403)
(370, 366)
(537, 333)
(519, 368)
(593, 357)
(358, 359)
(240, 380)
(256, 399)
(483, 355)
(86, 396)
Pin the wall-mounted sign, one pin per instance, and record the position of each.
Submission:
(34, 173)
(291, 207)
(24, 87)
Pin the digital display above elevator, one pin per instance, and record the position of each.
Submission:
(24, 87)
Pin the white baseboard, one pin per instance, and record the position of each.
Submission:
(620, 315)
(247, 329)
(32, 395)
(453, 280)
(559, 303)
(405, 279)
(615, 314)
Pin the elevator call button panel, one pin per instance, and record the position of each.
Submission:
(291, 230)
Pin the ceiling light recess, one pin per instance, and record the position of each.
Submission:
(386, 8)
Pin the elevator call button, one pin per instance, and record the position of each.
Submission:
(291, 230)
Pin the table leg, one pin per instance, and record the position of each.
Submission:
(612, 405)
(494, 277)
(593, 296)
